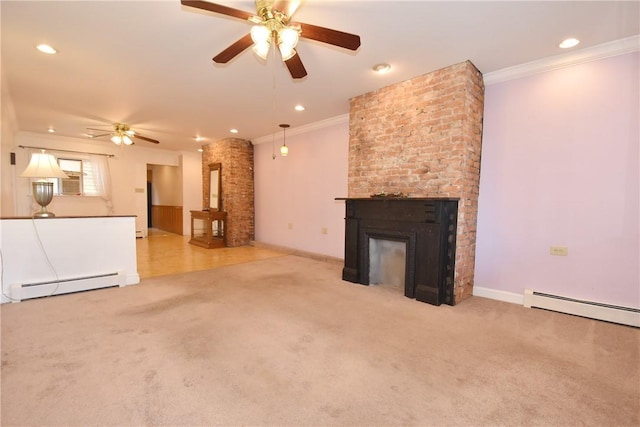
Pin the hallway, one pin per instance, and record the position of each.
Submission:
(163, 253)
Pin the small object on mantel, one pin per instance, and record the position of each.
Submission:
(399, 195)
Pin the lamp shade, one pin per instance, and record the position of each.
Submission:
(43, 165)
(286, 51)
(289, 36)
(262, 50)
(260, 34)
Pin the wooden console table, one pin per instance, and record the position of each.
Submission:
(208, 229)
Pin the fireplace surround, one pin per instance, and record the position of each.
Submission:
(427, 227)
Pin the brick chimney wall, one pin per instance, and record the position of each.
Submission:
(236, 157)
(423, 137)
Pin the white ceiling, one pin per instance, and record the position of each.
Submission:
(148, 63)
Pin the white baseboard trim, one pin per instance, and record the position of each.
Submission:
(498, 295)
(132, 279)
(594, 310)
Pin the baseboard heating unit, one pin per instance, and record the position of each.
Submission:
(594, 310)
(24, 291)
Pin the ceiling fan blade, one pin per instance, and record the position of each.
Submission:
(99, 130)
(98, 136)
(217, 8)
(295, 66)
(327, 35)
(232, 51)
(144, 138)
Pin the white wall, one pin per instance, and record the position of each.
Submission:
(166, 185)
(7, 134)
(560, 167)
(300, 190)
(128, 176)
(191, 178)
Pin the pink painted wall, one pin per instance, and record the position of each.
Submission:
(560, 167)
(300, 190)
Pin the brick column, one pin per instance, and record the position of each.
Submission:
(423, 137)
(236, 157)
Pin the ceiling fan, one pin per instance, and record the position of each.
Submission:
(272, 26)
(122, 134)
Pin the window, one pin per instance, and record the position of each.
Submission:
(80, 182)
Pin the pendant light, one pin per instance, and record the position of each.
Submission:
(284, 150)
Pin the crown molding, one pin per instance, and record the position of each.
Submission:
(601, 51)
(305, 128)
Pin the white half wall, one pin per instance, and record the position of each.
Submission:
(61, 249)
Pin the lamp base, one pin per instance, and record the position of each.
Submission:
(41, 214)
(43, 194)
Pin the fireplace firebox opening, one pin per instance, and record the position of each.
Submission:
(387, 262)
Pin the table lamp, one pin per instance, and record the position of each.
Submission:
(43, 166)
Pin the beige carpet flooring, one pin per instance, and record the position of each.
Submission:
(285, 342)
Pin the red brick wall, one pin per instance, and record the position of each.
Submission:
(236, 157)
(423, 137)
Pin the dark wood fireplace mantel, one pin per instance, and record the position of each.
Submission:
(428, 228)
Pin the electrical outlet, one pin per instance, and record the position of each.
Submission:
(324, 230)
(139, 190)
(559, 250)
(290, 226)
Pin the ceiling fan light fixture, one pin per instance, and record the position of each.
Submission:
(260, 34)
(271, 25)
(121, 134)
(262, 50)
(289, 36)
(287, 52)
(287, 41)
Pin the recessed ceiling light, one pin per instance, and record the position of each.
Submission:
(567, 43)
(51, 130)
(200, 150)
(381, 68)
(233, 130)
(45, 48)
(299, 107)
(198, 138)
